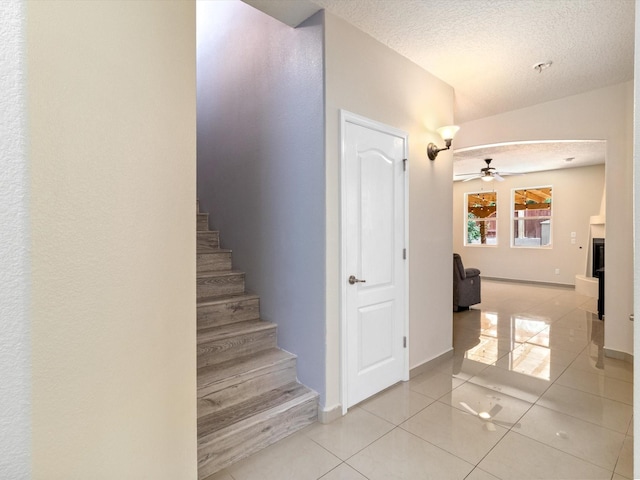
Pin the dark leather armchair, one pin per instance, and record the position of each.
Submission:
(466, 285)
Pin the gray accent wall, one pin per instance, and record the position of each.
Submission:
(261, 165)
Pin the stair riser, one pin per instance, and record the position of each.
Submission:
(208, 242)
(213, 262)
(228, 312)
(227, 447)
(236, 390)
(218, 351)
(202, 222)
(222, 285)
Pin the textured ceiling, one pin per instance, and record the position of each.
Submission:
(486, 49)
(529, 157)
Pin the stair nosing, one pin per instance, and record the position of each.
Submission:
(303, 395)
(225, 371)
(220, 273)
(215, 251)
(231, 297)
(233, 329)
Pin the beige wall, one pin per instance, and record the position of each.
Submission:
(111, 89)
(577, 194)
(368, 79)
(604, 114)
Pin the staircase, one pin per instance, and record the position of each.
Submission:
(248, 395)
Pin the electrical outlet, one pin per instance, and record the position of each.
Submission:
(557, 271)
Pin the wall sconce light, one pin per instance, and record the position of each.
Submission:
(447, 133)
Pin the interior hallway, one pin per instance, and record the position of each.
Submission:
(527, 393)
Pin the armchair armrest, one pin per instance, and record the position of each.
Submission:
(471, 272)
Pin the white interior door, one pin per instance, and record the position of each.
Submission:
(374, 265)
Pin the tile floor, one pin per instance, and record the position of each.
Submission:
(527, 393)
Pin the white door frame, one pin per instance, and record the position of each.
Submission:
(348, 117)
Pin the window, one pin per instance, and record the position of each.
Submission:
(531, 217)
(481, 218)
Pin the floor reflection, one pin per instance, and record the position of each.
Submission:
(526, 343)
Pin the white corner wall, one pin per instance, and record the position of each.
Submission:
(577, 194)
(111, 90)
(604, 114)
(15, 372)
(369, 79)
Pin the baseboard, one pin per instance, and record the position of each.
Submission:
(328, 415)
(627, 357)
(529, 282)
(429, 364)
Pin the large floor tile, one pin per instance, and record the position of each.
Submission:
(434, 384)
(580, 319)
(586, 406)
(479, 474)
(461, 433)
(561, 338)
(294, 458)
(460, 367)
(343, 472)
(350, 434)
(519, 457)
(602, 385)
(552, 311)
(625, 462)
(511, 383)
(536, 361)
(577, 437)
(400, 455)
(396, 404)
(503, 410)
(593, 360)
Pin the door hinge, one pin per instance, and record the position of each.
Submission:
(404, 253)
(404, 342)
(404, 164)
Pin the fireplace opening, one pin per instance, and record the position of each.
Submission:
(597, 256)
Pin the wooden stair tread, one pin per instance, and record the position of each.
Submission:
(251, 410)
(227, 298)
(229, 330)
(240, 366)
(248, 396)
(216, 250)
(221, 273)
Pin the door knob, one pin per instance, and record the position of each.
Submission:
(353, 279)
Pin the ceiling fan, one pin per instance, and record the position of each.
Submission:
(487, 174)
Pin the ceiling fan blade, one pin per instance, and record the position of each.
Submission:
(504, 174)
(472, 178)
(495, 410)
(497, 177)
(489, 426)
(467, 407)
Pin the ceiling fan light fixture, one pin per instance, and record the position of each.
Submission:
(447, 133)
(540, 66)
(487, 178)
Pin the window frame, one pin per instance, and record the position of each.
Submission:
(494, 219)
(513, 217)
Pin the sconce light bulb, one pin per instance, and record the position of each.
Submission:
(448, 132)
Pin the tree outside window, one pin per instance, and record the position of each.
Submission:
(481, 226)
(532, 217)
